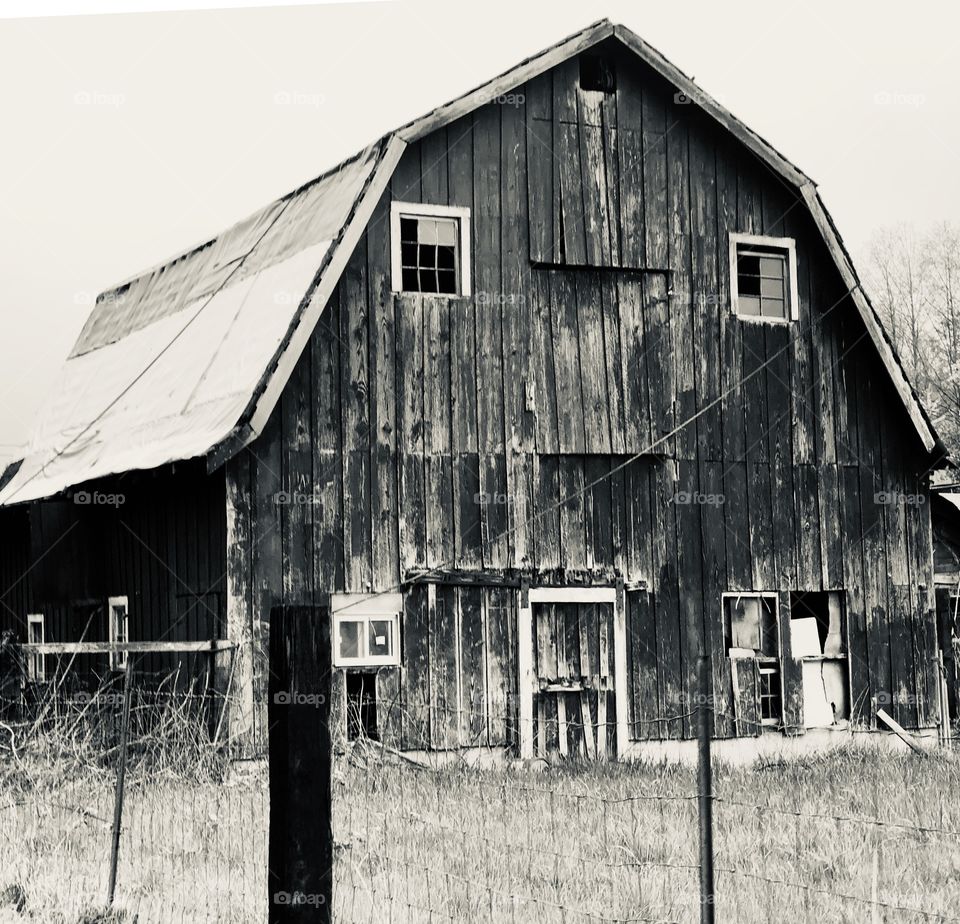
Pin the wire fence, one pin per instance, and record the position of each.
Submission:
(195, 809)
(859, 834)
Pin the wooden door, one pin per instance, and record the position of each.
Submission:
(574, 679)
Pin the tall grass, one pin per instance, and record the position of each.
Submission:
(794, 841)
(857, 834)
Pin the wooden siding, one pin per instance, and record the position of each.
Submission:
(607, 415)
(162, 544)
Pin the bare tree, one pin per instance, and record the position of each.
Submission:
(914, 283)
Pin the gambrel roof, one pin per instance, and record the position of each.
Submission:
(188, 359)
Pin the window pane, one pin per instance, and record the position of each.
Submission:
(768, 628)
(408, 254)
(745, 623)
(428, 280)
(447, 233)
(446, 257)
(428, 230)
(447, 282)
(748, 304)
(774, 308)
(380, 639)
(771, 266)
(772, 288)
(408, 229)
(748, 265)
(410, 281)
(350, 639)
(427, 256)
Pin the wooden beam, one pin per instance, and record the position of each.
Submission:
(525, 672)
(900, 731)
(60, 648)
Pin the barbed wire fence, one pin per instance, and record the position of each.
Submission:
(193, 822)
(433, 836)
(421, 835)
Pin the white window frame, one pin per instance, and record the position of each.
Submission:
(37, 661)
(422, 210)
(365, 608)
(787, 244)
(118, 659)
(767, 660)
(525, 641)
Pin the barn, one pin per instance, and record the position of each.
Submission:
(546, 394)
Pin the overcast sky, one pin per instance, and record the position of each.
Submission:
(127, 138)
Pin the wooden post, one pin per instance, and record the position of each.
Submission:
(300, 877)
(705, 787)
(118, 794)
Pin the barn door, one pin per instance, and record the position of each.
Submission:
(572, 665)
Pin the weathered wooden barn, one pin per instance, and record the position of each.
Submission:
(548, 392)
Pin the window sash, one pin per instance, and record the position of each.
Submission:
(36, 662)
(365, 634)
(118, 620)
(433, 223)
(779, 310)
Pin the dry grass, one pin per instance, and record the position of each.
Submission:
(568, 844)
(621, 842)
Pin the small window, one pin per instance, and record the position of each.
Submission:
(119, 616)
(430, 249)
(597, 73)
(36, 635)
(366, 629)
(763, 277)
(751, 631)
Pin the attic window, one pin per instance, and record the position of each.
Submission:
(430, 249)
(763, 277)
(597, 73)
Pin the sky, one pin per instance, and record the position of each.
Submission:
(130, 137)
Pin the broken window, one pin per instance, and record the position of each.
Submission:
(430, 249)
(818, 641)
(751, 632)
(763, 277)
(597, 73)
(361, 705)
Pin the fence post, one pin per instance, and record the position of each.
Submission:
(121, 774)
(300, 878)
(705, 788)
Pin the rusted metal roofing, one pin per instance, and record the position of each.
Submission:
(189, 358)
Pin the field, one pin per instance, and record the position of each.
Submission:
(569, 844)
